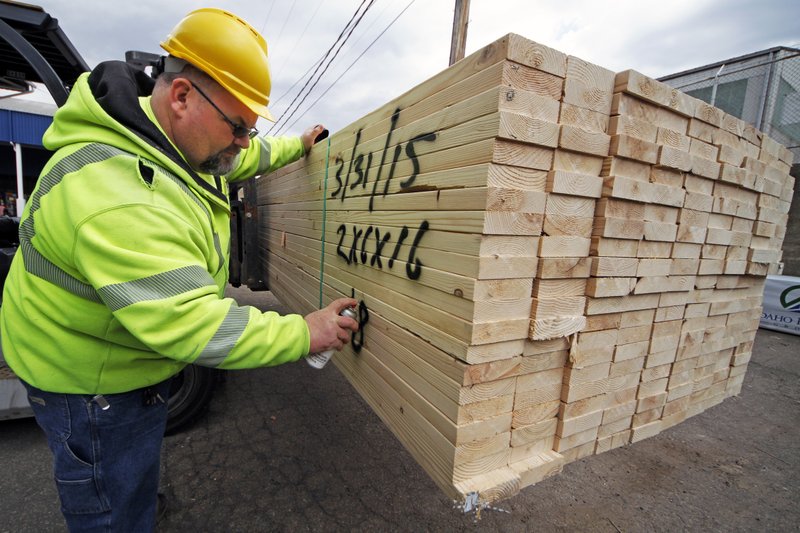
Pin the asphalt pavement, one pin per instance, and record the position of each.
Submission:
(296, 449)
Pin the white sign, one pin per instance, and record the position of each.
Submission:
(782, 304)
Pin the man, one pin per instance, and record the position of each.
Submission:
(123, 261)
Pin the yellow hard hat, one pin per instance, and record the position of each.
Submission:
(229, 50)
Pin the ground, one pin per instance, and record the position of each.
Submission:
(296, 449)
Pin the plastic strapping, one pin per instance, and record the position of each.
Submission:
(324, 218)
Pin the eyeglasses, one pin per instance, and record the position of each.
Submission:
(239, 131)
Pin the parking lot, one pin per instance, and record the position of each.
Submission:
(295, 449)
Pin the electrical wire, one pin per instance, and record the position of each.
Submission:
(266, 19)
(288, 16)
(325, 69)
(319, 64)
(372, 24)
(302, 34)
(352, 64)
(338, 42)
(287, 91)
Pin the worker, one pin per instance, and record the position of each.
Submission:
(123, 261)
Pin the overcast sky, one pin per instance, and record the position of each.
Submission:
(654, 37)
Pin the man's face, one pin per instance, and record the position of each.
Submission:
(221, 163)
(213, 148)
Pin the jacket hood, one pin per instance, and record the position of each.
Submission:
(104, 107)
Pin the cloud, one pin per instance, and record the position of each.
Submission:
(654, 37)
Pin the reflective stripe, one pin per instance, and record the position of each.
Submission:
(265, 157)
(158, 287)
(226, 337)
(38, 265)
(35, 262)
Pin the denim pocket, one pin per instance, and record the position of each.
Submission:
(52, 414)
(75, 479)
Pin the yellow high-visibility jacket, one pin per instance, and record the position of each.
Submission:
(119, 279)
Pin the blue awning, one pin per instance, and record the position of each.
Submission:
(23, 128)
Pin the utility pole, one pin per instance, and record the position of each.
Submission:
(460, 21)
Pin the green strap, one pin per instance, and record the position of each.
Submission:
(324, 218)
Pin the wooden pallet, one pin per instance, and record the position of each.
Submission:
(552, 260)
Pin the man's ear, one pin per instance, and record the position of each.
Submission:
(178, 95)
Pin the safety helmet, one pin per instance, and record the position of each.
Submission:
(229, 50)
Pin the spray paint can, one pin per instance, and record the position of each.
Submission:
(320, 359)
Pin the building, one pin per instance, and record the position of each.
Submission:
(22, 157)
(763, 89)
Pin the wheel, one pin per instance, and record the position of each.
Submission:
(189, 395)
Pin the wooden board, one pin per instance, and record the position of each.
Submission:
(551, 260)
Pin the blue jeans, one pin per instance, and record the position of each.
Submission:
(105, 462)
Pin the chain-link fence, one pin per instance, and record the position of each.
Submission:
(762, 89)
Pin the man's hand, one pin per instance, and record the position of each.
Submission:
(310, 135)
(329, 330)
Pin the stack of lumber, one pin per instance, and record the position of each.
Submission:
(551, 259)
(692, 217)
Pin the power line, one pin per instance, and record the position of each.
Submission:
(336, 53)
(337, 42)
(288, 16)
(266, 19)
(353, 63)
(300, 37)
(287, 91)
(374, 21)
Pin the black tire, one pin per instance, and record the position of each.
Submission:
(189, 395)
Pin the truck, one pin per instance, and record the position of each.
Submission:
(35, 50)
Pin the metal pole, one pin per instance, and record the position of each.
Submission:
(716, 84)
(458, 43)
(20, 189)
(761, 117)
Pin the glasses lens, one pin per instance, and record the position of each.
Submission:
(241, 132)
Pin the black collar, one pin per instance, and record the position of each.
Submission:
(116, 86)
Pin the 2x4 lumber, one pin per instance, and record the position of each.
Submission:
(673, 139)
(537, 468)
(554, 225)
(628, 105)
(588, 86)
(574, 184)
(704, 204)
(583, 140)
(573, 115)
(537, 413)
(555, 327)
(708, 113)
(426, 444)
(368, 249)
(456, 434)
(633, 148)
(654, 91)
(498, 257)
(532, 56)
(633, 127)
(579, 162)
(377, 284)
(535, 432)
